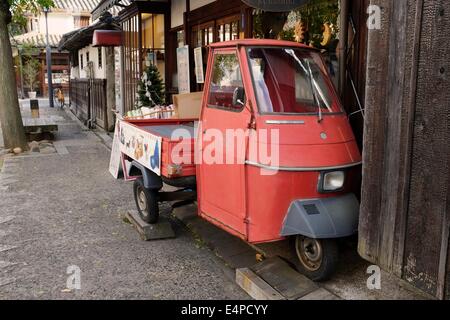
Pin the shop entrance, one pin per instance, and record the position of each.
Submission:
(144, 27)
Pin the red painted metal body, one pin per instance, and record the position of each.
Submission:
(252, 206)
(237, 197)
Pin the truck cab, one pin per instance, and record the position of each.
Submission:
(275, 156)
(288, 160)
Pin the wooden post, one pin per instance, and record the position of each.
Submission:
(343, 44)
(110, 63)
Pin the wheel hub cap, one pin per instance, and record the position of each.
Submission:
(142, 201)
(309, 251)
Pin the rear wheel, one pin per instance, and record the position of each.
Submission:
(146, 202)
(316, 259)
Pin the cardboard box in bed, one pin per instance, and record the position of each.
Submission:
(188, 105)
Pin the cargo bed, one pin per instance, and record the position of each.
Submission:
(177, 141)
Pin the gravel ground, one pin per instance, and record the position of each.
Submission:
(66, 210)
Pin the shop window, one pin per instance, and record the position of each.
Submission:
(131, 64)
(227, 32)
(216, 31)
(228, 29)
(74, 59)
(203, 35)
(220, 30)
(226, 79)
(153, 40)
(81, 21)
(143, 44)
(100, 58)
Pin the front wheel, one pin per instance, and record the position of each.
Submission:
(146, 202)
(316, 259)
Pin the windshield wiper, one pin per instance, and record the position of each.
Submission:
(312, 81)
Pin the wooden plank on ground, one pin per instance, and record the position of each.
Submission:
(161, 230)
(283, 278)
(320, 294)
(274, 279)
(257, 288)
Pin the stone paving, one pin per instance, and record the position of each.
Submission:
(64, 210)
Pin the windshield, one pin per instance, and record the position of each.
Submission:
(291, 81)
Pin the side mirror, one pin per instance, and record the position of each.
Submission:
(238, 96)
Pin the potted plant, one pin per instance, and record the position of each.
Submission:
(30, 74)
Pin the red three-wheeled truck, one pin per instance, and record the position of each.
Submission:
(271, 157)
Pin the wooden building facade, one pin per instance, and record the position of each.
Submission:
(404, 222)
(395, 89)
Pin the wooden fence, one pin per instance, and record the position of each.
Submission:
(88, 101)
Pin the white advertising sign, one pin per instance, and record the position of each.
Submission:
(199, 72)
(184, 80)
(116, 155)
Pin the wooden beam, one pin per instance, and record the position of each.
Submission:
(415, 14)
(374, 137)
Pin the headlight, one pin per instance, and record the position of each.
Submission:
(333, 181)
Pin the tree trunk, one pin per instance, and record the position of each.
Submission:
(10, 117)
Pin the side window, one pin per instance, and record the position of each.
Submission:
(226, 83)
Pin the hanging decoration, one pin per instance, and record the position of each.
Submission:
(300, 31)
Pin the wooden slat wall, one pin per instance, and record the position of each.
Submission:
(404, 207)
(98, 103)
(88, 99)
(79, 98)
(427, 227)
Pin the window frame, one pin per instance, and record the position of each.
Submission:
(225, 52)
(100, 57)
(309, 114)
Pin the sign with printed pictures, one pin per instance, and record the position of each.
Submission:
(184, 80)
(199, 72)
(116, 155)
(141, 146)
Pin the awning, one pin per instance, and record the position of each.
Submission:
(81, 38)
(275, 5)
(106, 5)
